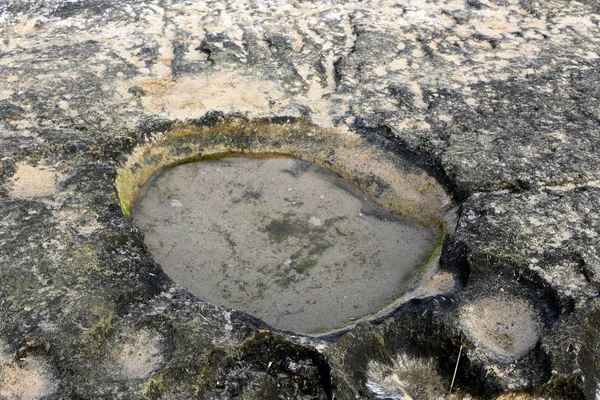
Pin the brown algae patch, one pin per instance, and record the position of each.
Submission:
(379, 178)
(30, 181)
(281, 239)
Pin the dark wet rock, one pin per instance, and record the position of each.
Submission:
(548, 239)
(267, 366)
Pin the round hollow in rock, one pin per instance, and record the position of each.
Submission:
(281, 239)
(272, 233)
(504, 326)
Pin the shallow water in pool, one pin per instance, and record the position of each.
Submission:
(279, 238)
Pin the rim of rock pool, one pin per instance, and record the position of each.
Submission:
(390, 180)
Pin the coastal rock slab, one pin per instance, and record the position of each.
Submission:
(498, 100)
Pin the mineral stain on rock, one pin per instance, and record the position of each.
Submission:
(279, 238)
(30, 181)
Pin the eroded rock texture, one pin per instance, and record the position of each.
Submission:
(496, 98)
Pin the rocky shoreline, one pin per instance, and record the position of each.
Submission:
(497, 100)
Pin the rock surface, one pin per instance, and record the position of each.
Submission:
(498, 99)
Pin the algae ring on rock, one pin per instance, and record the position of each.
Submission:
(274, 223)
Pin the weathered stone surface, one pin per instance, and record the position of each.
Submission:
(498, 99)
